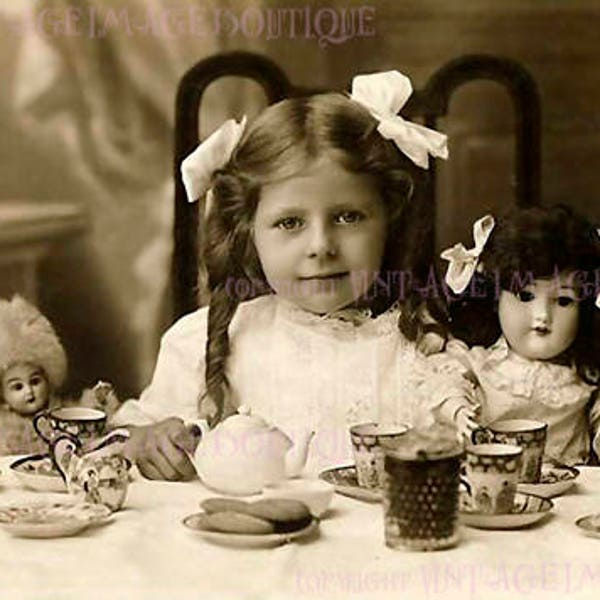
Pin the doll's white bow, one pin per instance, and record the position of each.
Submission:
(212, 154)
(463, 262)
(383, 95)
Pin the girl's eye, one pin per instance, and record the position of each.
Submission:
(348, 217)
(565, 300)
(525, 296)
(289, 223)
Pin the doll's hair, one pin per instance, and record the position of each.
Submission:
(528, 244)
(284, 140)
(26, 336)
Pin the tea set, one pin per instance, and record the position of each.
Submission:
(498, 481)
(81, 461)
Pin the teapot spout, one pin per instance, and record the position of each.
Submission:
(296, 456)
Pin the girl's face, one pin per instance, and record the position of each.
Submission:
(320, 236)
(540, 322)
(25, 388)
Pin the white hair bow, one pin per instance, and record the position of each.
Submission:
(463, 262)
(383, 95)
(212, 154)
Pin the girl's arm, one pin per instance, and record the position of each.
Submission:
(449, 391)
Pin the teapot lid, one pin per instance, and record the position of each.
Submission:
(244, 420)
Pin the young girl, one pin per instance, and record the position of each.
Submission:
(528, 305)
(310, 243)
(33, 366)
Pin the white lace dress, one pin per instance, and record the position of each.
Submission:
(298, 371)
(513, 387)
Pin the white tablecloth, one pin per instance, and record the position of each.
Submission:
(146, 552)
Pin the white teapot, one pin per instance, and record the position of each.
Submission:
(243, 454)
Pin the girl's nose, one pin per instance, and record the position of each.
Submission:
(321, 242)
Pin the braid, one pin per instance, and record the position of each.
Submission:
(221, 310)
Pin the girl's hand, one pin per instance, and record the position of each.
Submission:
(465, 421)
(157, 451)
(431, 343)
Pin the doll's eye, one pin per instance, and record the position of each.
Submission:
(565, 300)
(36, 380)
(16, 387)
(289, 223)
(525, 296)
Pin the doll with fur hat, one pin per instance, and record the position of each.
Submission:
(33, 365)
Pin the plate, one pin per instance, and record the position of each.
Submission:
(37, 472)
(590, 525)
(345, 482)
(527, 510)
(246, 540)
(555, 480)
(51, 519)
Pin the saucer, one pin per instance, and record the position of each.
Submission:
(51, 519)
(589, 525)
(37, 472)
(555, 479)
(345, 482)
(527, 509)
(246, 540)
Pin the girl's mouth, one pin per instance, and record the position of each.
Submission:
(325, 276)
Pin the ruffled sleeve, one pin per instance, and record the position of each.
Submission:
(443, 384)
(594, 420)
(448, 383)
(178, 378)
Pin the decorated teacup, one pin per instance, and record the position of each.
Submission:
(368, 443)
(81, 422)
(492, 474)
(528, 434)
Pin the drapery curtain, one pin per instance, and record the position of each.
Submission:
(88, 111)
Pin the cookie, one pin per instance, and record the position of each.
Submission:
(234, 522)
(285, 513)
(214, 505)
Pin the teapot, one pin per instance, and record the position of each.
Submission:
(243, 454)
(98, 472)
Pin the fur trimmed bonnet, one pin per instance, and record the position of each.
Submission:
(27, 336)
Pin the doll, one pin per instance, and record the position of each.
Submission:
(526, 314)
(33, 365)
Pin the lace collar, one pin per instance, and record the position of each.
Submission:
(506, 370)
(345, 321)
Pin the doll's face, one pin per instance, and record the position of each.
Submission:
(320, 236)
(540, 322)
(25, 388)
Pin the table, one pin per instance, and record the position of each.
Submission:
(147, 553)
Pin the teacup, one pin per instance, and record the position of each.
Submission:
(492, 474)
(79, 421)
(368, 442)
(529, 434)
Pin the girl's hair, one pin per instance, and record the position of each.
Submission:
(528, 244)
(285, 139)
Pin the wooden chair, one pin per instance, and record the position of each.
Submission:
(426, 105)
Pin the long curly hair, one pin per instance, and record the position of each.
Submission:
(528, 244)
(285, 139)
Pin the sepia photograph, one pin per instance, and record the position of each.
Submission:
(299, 300)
